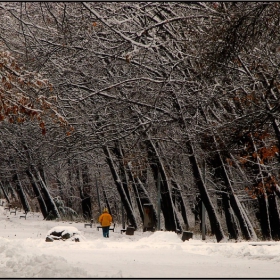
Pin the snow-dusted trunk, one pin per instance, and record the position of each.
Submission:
(53, 212)
(85, 193)
(4, 192)
(247, 223)
(246, 228)
(71, 191)
(98, 198)
(197, 173)
(38, 193)
(141, 194)
(119, 154)
(230, 218)
(177, 197)
(275, 122)
(171, 220)
(233, 203)
(243, 219)
(21, 193)
(41, 188)
(213, 217)
(221, 173)
(124, 198)
(106, 199)
(134, 181)
(263, 214)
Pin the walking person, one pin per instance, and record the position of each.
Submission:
(105, 220)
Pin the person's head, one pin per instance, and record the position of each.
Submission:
(105, 210)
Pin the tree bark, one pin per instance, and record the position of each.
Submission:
(85, 193)
(230, 218)
(171, 220)
(246, 228)
(53, 212)
(214, 221)
(125, 200)
(21, 193)
(179, 199)
(274, 216)
(141, 194)
(263, 216)
(41, 189)
(118, 151)
(4, 191)
(38, 193)
(106, 200)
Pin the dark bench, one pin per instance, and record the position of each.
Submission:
(24, 215)
(8, 207)
(110, 228)
(89, 224)
(13, 210)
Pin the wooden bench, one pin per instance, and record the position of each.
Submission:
(89, 224)
(110, 228)
(24, 215)
(13, 210)
(8, 208)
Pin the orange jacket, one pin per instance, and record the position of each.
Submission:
(105, 219)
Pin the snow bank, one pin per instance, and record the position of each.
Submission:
(269, 250)
(161, 237)
(19, 259)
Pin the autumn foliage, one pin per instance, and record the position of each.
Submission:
(23, 95)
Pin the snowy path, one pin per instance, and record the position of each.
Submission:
(24, 253)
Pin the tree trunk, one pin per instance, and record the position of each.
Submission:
(141, 194)
(246, 228)
(125, 200)
(38, 193)
(21, 193)
(230, 218)
(46, 201)
(179, 199)
(135, 187)
(118, 151)
(171, 220)
(5, 193)
(214, 221)
(85, 194)
(263, 216)
(274, 216)
(53, 212)
(71, 191)
(98, 195)
(261, 194)
(106, 200)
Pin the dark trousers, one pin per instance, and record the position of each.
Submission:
(105, 231)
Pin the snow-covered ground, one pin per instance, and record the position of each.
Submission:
(25, 253)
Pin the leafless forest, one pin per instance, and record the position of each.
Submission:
(122, 104)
